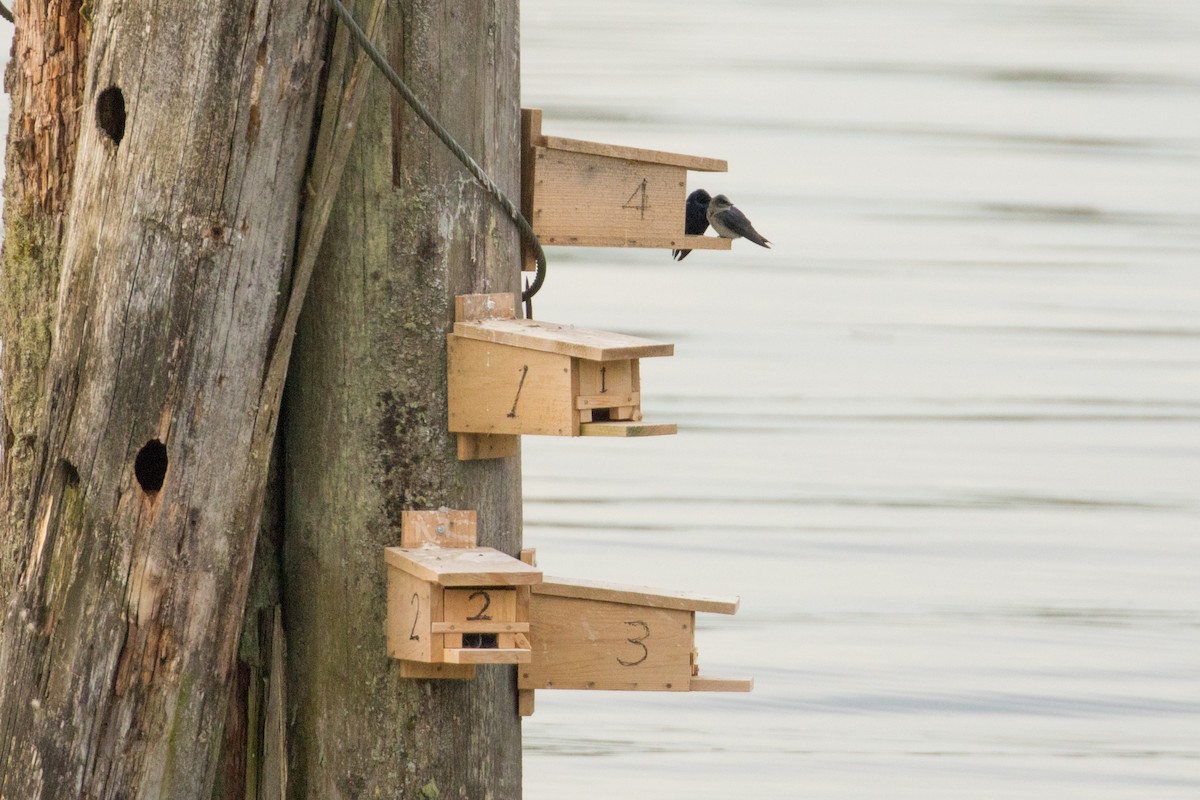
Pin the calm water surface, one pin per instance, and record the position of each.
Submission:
(943, 440)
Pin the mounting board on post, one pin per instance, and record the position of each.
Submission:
(452, 605)
(590, 194)
(509, 377)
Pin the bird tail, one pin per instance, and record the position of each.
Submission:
(680, 255)
(758, 239)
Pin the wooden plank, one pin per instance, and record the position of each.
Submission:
(529, 556)
(275, 725)
(697, 163)
(523, 595)
(485, 306)
(439, 528)
(606, 378)
(486, 655)
(477, 446)
(525, 702)
(481, 627)
(476, 566)
(567, 340)
(498, 388)
(409, 609)
(702, 683)
(675, 242)
(589, 644)
(608, 400)
(628, 428)
(416, 669)
(635, 595)
(491, 606)
(531, 134)
(581, 195)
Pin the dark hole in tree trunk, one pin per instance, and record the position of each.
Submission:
(110, 113)
(70, 475)
(150, 466)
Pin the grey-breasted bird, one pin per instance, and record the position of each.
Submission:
(695, 221)
(731, 223)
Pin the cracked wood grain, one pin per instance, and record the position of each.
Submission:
(174, 245)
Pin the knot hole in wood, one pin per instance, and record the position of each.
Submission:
(150, 466)
(110, 113)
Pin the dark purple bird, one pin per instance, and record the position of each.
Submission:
(695, 220)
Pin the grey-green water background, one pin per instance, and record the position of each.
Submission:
(943, 439)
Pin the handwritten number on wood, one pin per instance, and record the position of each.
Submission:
(412, 635)
(637, 641)
(513, 413)
(642, 204)
(487, 601)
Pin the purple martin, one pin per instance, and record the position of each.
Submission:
(696, 219)
(731, 223)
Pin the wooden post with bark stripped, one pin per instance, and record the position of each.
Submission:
(155, 174)
(365, 420)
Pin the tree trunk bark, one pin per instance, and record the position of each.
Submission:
(365, 426)
(45, 86)
(139, 313)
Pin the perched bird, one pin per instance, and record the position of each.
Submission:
(731, 223)
(696, 220)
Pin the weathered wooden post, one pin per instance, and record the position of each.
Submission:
(365, 420)
(155, 166)
(139, 313)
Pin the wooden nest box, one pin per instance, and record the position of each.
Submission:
(452, 605)
(508, 377)
(592, 635)
(590, 194)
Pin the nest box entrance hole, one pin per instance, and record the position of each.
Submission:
(481, 641)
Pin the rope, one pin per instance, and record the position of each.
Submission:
(513, 212)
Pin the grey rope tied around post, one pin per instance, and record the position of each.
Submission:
(476, 171)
